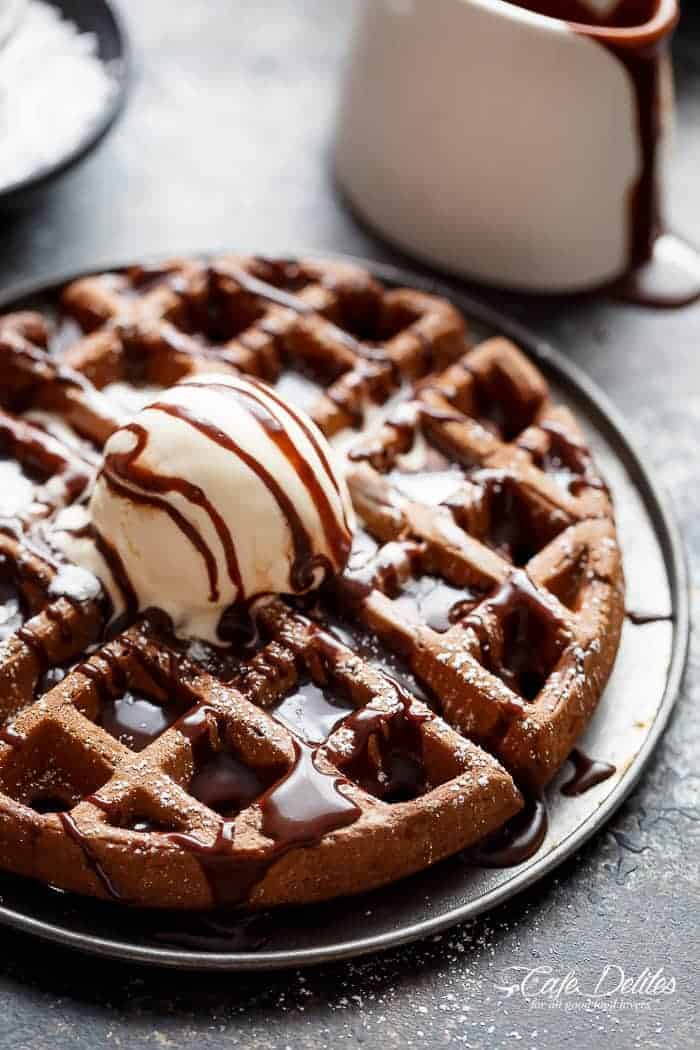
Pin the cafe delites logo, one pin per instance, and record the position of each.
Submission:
(613, 988)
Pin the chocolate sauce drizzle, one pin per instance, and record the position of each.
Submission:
(297, 811)
(393, 770)
(299, 805)
(85, 845)
(224, 783)
(305, 562)
(532, 634)
(116, 566)
(587, 773)
(121, 467)
(306, 802)
(517, 841)
(337, 536)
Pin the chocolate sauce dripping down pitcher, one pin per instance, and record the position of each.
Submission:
(543, 170)
(663, 271)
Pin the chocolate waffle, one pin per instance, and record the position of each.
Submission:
(393, 719)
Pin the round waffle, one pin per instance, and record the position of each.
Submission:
(316, 762)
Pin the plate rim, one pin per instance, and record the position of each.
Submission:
(668, 536)
(16, 190)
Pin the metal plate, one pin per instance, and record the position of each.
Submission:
(630, 718)
(101, 19)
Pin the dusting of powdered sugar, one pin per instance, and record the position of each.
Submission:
(53, 89)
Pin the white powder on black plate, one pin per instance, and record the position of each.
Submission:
(53, 89)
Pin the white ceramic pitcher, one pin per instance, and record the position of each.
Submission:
(500, 143)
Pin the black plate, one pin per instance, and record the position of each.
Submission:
(630, 719)
(100, 18)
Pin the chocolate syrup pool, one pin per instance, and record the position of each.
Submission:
(663, 270)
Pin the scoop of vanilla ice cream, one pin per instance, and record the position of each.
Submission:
(217, 492)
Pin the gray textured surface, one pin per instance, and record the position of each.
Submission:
(225, 143)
